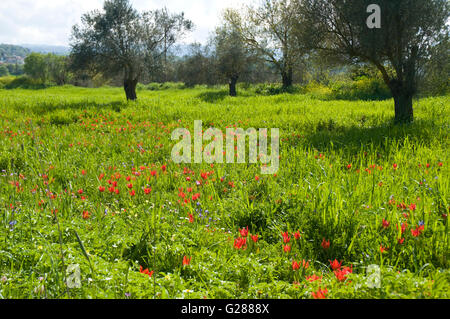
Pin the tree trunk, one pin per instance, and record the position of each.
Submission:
(403, 101)
(130, 89)
(286, 77)
(232, 84)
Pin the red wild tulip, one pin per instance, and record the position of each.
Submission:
(335, 264)
(325, 244)
(86, 214)
(191, 218)
(341, 274)
(240, 243)
(146, 272)
(101, 189)
(186, 261)
(385, 223)
(286, 237)
(147, 191)
(295, 265)
(314, 277)
(297, 235)
(320, 294)
(244, 232)
(286, 248)
(255, 238)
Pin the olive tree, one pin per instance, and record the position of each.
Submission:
(394, 36)
(121, 41)
(270, 30)
(232, 58)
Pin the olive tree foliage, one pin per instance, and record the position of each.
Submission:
(408, 29)
(270, 30)
(48, 67)
(197, 66)
(435, 77)
(232, 58)
(121, 41)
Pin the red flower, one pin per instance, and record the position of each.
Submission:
(86, 214)
(325, 244)
(401, 241)
(349, 166)
(132, 193)
(80, 191)
(186, 261)
(146, 272)
(130, 186)
(191, 218)
(403, 227)
(295, 265)
(101, 189)
(255, 238)
(297, 235)
(395, 166)
(147, 191)
(320, 294)
(163, 168)
(335, 264)
(341, 274)
(244, 232)
(383, 249)
(240, 243)
(287, 248)
(286, 237)
(416, 232)
(385, 223)
(313, 278)
(412, 207)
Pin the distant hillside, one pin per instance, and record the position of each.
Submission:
(13, 54)
(43, 48)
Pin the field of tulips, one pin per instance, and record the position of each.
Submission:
(358, 208)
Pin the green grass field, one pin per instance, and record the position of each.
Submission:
(351, 187)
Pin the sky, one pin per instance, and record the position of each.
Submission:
(50, 21)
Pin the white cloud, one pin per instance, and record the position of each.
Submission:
(50, 21)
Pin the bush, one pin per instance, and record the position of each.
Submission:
(161, 86)
(274, 89)
(362, 88)
(23, 82)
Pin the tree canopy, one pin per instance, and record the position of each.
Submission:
(407, 31)
(121, 41)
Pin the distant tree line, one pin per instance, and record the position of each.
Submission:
(287, 41)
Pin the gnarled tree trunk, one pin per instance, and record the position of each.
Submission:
(130, 89)
(286, 77)
(232, 84)
(402, 94)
